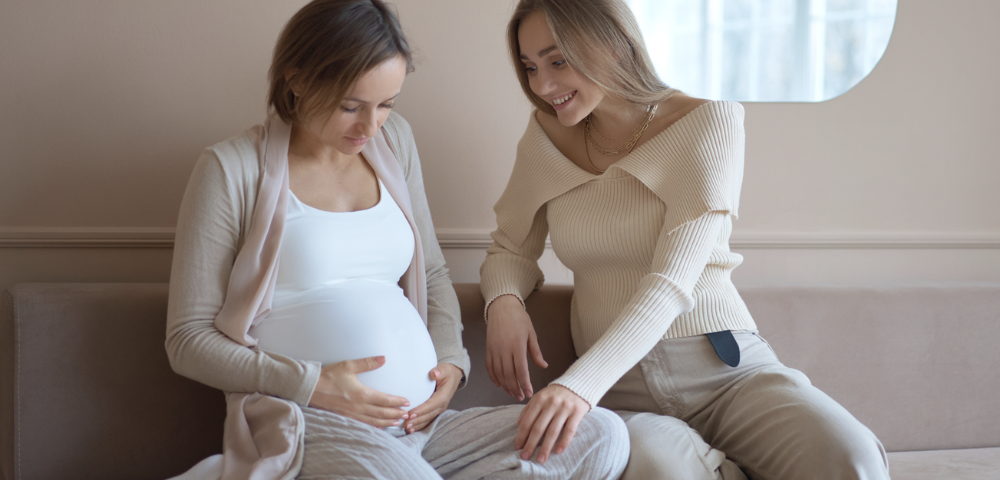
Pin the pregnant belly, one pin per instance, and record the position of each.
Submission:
(353, 320)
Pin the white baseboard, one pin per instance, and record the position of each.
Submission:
(456, 238)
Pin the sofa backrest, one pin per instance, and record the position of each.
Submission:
(549, 311)
(86, 390)
(916, 364)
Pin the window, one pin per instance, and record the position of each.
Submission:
(765, 50)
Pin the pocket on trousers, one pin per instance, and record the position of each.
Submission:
(755, 340)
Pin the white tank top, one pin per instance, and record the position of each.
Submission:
(337, 296)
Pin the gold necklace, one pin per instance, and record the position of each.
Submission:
(609, 139)
(625, 147)
(591, 162)
(615, 150)
(617, 139)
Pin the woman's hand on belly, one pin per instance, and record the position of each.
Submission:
(340, 392)
(447, 377)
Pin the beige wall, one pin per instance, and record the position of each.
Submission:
(105, 105)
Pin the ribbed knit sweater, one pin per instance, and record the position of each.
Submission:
(648, 240)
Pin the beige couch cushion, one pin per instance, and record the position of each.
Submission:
(972, 464)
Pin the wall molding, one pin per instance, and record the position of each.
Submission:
(86, 237)
(471, 238)
(455, 238)
(865, 240)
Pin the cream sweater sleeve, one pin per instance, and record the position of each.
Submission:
(511, 268)
(679, 259)
(207, 240)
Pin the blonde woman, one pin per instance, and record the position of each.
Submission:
(637, 184)
(308, 285)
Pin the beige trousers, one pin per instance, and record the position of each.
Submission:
(468, 444)
(691, 416)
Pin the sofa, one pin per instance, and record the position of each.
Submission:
(86, 390)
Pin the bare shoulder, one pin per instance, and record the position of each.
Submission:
(673, 109)
(684, 103)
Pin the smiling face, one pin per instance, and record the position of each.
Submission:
(572, 95)
(361, 113)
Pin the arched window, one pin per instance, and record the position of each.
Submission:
(765, 50)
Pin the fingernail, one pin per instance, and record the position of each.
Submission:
(396, 423)
(542, 458)
(407, 404)
(560, 450)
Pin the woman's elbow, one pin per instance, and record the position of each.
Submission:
(182, 352)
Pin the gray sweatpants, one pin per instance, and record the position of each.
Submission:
(467, 444)
(690, 416)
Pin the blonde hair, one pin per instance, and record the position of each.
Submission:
(600, 39)
(328, 45)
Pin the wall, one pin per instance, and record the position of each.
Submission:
(105, 105)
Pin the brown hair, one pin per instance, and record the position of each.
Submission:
(329, 44)
(601, 40)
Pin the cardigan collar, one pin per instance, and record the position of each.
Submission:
(254, 273)
(383, 160)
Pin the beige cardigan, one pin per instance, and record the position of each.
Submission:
(647, 240)
(222, 278)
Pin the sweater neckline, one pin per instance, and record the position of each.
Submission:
(633, 154)
(697, 161)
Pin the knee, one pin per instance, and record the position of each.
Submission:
(607, 422)
(858, 454)
(664, 447)
(605, 438)
(847, 445)
(840, 447)
(823, 439)
(606, 427)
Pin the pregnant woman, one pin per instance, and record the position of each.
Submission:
(637, 184)
(308, 285)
